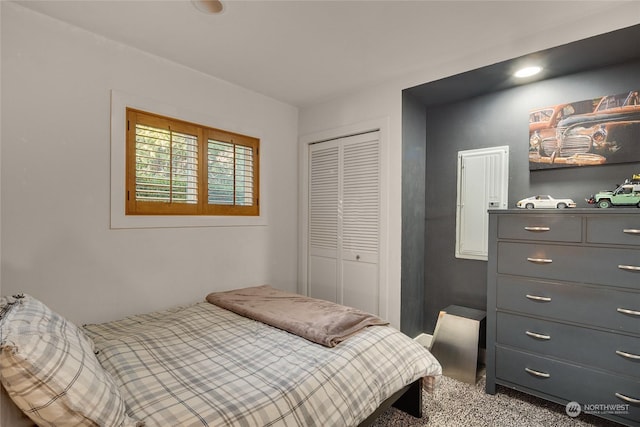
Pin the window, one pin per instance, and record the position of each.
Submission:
(180, 168)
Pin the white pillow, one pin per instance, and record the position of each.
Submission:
(48, 367)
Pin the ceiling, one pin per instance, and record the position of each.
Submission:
(303, 52)
(603, 50)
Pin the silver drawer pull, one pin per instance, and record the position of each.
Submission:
(627, 398)
(628, 355)
(537, 228)
(538, 336)
(627, 311)
(631, 231)
(537, 373)
(541, 260)
(537, 298)
(628, 267)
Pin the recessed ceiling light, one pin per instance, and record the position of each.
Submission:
(208, 6)
(528, 71)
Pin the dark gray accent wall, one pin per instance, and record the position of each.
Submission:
(449, 280)
(493, 119)
(413, 215)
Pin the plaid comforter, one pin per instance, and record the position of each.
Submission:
(202, 365)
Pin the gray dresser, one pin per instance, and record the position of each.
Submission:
(563, 307)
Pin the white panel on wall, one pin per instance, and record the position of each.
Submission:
(483, 184)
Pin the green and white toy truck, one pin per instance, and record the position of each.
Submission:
(627, 194)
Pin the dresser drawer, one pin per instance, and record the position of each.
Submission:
(589, 305)
(604, 350)
(558, 228)
(603, 266)
(567, 381)
(616, 229)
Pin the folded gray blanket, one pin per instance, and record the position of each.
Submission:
(320, 321)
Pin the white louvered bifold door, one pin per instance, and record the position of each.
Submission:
(323, 220)
(344, 221)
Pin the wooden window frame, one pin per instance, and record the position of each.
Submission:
(203, 134)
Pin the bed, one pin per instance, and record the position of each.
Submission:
(203, 365)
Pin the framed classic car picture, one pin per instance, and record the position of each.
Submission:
(592, 132)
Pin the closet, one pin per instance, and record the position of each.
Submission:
(344, 221)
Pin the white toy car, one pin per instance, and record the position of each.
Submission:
(545, 202)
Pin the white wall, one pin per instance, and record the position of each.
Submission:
(385, 101)
(56, 239)
(0, 155)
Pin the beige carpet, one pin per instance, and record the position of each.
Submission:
(454, 403)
